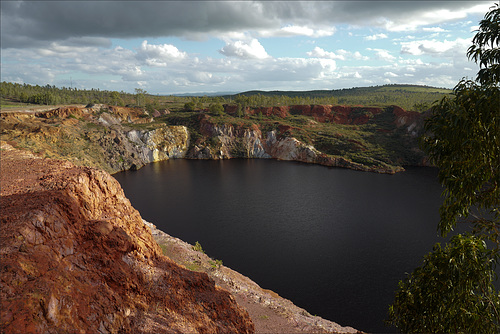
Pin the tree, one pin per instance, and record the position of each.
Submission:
(115, 98)
(485, 48)
(453, 290)
(216, 109)
(239, 110)
(140, 96)
(189, 106)
(436, 298)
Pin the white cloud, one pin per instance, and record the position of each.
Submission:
(436, 48)
(39, 44)
(434, 16)
(474, 28)
(159, 55)
(434, 29)
(244, 50)
(358, 56)
(289, 69)
(297, 30)
(320, 53)
(203, 77)
(340, 54)
(411, 61)
(375, 37)
(383, 55)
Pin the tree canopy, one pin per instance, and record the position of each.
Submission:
(453, 290)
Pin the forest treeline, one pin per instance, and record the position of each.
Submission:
(418, 98)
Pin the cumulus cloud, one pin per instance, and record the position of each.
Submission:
(244, 50)
(375, 37)
(436, 48)
(159, 55)
(320, 53)
(290, 70)
(434, 29)
(340, 54)
(383, 55)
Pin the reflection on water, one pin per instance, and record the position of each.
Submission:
(334, 241)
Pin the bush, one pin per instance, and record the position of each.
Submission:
(216, 109)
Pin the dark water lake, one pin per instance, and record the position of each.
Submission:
(334, 241)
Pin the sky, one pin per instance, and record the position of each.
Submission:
(173, 47)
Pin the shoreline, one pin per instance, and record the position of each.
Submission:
(270, 312)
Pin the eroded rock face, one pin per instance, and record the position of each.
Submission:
(99, 138)
(161, 144)
(337, 114)
(228, 141)
(76, 257)
(411, 120)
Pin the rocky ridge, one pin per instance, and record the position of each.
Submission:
(120, 138)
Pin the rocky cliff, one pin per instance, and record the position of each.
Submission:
(118, 138)
(111, 138)
(76, 257)
(238, 142)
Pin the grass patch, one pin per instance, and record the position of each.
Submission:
(193, 266)
(163, 248)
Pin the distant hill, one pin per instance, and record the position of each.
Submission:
(352, 91)
(412, 97)
(205, 94)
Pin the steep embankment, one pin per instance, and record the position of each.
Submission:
(76, 257)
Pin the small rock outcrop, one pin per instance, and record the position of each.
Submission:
(77, 257)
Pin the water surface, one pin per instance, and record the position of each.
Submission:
(334, 241)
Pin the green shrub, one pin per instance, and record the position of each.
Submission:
(197, 247)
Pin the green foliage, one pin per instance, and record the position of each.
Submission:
(193, 266)
(53, 95)
(452, 292)
(405, 96)
(239, 111)
(463, 141)
(140, 97)
(197, 247)
(215, 264)
(189, 106)
(216, 109)
(485, 47)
